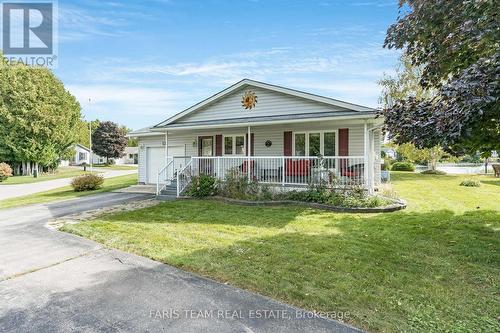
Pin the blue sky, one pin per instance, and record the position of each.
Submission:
(142, 61)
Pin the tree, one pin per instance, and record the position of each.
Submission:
(82, 131)
(405, 84)
(408, 152)
(131, 142)
(455, 44)
(37, 117)
(109, 140)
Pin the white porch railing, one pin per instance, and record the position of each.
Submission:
(286, 170)
(164, 176)
(184, 178)
(280, 170)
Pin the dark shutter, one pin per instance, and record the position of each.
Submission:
(199, 145)
(218, 145)
(287, 143)
(252, 144)
(344, 142)
(343, 149)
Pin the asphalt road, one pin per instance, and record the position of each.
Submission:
(56, 282)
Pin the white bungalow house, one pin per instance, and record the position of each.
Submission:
(81, 156)
(269, 133)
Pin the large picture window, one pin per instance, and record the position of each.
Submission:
(315, 143)
(234, 145)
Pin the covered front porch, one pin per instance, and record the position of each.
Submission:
(335, 154)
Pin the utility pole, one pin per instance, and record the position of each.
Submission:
(90, 140)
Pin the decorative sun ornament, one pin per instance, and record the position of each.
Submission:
(249, 100)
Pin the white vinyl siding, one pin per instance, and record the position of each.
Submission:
(269, 103)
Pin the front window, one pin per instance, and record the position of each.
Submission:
(228, 145)
(329, 144)
(315, 143)
(234, 145)
(240, 145)
(300, 144)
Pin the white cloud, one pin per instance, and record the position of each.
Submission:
(113, 102)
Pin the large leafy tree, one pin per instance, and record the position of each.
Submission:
(83, 131)
(455, 45)
(109, 140)
(37, 117)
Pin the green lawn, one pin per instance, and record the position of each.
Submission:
(62, 193)
(434, 267)
(61, 172)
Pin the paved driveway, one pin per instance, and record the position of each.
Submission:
(56, 282)
(17, 190)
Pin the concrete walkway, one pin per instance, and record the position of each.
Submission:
(17, 190)
(51, 281)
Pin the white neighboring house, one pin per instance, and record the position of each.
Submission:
(276, 141)
(130, 156)
(82, 155)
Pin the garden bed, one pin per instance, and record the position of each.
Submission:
(237, 189)
(397, 204)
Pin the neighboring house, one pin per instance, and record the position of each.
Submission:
(390, 152)
(130, 156)
(269, 133)
(81, 156)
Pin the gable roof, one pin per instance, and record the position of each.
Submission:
(271, 87)
(82, 146)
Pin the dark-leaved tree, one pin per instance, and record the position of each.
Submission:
(109, 140)
(455, 43)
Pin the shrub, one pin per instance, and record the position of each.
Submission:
(237, 186)
(202, 186)
(88, 182)
(433, 172)
(403, 166)
(470, 183)
(5, 171)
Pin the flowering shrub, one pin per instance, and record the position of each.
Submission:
(88, 182)
(5, 171)
(202, 186)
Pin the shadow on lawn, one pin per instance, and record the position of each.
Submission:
(213, 212)
(439, 261)
(493, 181)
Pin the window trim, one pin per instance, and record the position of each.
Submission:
(321, 140)
(233, 136)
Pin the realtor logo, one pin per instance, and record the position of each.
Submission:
(28, 28)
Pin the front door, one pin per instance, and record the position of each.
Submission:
(206, 149)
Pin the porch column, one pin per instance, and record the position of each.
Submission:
(249, 151)
(167, 176)
(166, 147)
(366, 149)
